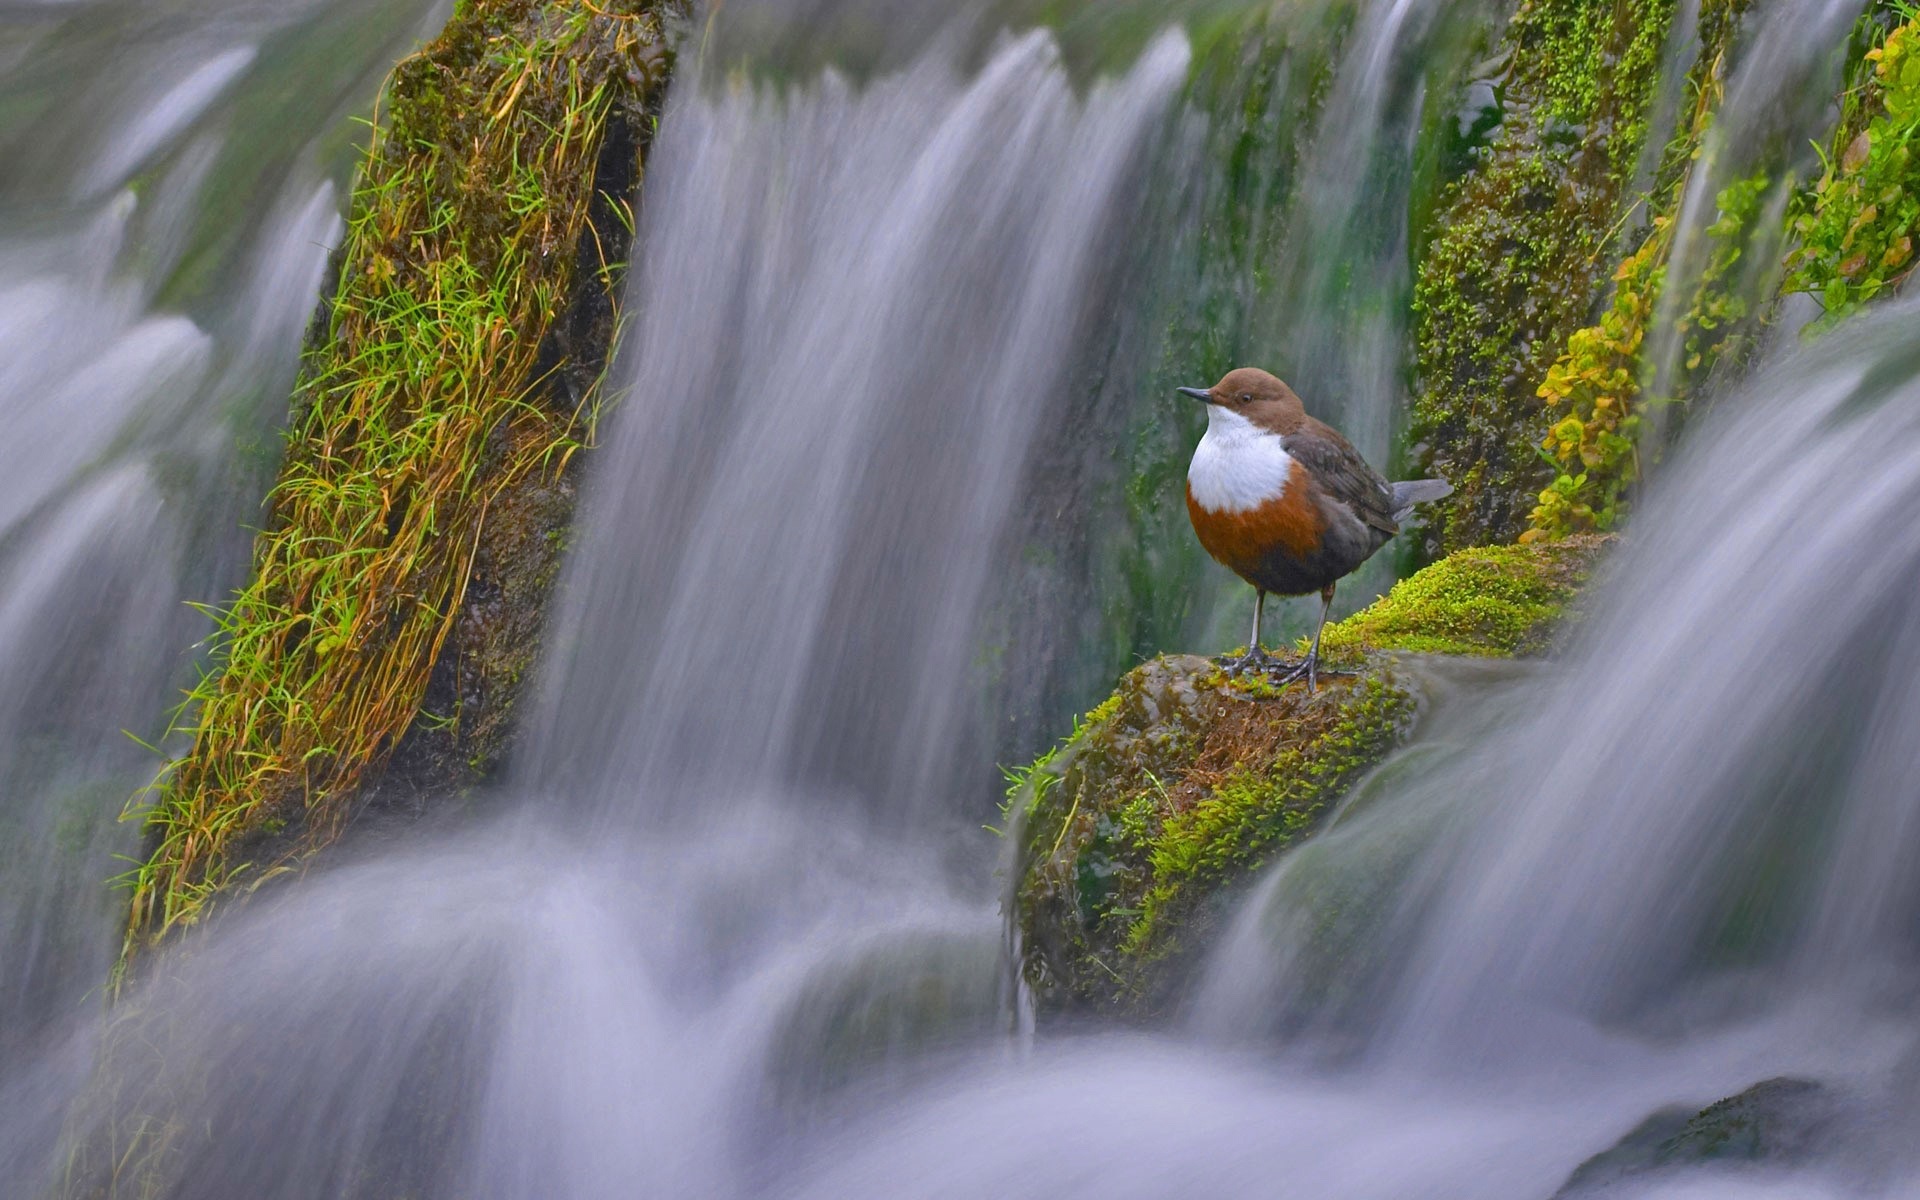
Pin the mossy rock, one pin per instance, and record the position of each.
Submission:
(412, 536)
(1520, 250)
(1182, 783)
(1492, 601)
(1134, 833)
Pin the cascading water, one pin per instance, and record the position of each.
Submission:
(158, 259)
(1677, 867)
(1339, 324)
(1775, 111)
(793, 527)
(721, 943)
(816, 459)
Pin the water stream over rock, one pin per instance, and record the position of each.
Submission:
(730, 927)
(168, 189)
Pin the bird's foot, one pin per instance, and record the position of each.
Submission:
(1313, 671)
(1256, 661)
(1307, 668)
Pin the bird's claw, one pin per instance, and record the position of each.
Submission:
(1278, 671)
(1312, 669)
(1255, 660)
(1309, 667)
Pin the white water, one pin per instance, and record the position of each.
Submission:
(717, 902)
(735, 934)
(146, 350)
(1786, 66)
(1678, 865)
(829, 423)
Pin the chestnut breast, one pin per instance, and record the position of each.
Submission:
(1254, 506)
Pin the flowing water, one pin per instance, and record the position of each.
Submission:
(733, 930)
(168, 179)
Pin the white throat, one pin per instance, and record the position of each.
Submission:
(1237, 466)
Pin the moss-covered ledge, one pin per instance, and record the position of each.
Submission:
(1131, 836)
(412, 534)
(1489, 601)
(1520, 248)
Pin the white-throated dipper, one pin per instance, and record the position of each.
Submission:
(1285, 502)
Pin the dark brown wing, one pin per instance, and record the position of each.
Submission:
(1344, 475)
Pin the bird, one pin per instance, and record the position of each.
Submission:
(1286, 503)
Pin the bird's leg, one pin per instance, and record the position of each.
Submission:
(1255, 658)
(1310, 666)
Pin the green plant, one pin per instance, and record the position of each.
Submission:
(424, 405)
(1518, 256)
(1856, 225)
(1591, 389)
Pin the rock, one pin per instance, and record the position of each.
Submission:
(400, 583)
(1133, 834)
(1182, 783)
(1490, 601)
(1777, 1120)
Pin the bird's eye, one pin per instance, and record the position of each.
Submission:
(1246, 397)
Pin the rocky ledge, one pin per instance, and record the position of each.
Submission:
(1132, 835)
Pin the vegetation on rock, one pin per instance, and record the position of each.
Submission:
(1853, 228)
(1518, 257)
(1595, 391)
(1856, 225)
(458, 371)
(1131, 833)
(1183, 782)
(1491, 601)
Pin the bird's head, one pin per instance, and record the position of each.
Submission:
(1259, 397)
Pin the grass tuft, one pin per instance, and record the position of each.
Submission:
(436, 390)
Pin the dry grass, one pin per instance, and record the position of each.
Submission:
(432, 394)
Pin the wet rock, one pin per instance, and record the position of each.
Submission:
(400, 582)
(1779, 1120)
(886, 1005)
(1134, 834)
(1182, 783)
(1521, 246)
(1491, 601)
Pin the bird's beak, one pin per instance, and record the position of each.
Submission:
(1201, 394)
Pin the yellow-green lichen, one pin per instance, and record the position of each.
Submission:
(1593, 391)
(1491, 601)
(1519, 250)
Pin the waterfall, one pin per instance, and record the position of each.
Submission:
(159, 258)
(718, 891)
(1673, 867)
(728, 927)
(797, 519)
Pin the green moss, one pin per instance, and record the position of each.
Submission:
(1492, 601)
(1132, 833)
(1260, 808)
(1178, 786)
(454, 377)
(1593, 391)
(1518, 259)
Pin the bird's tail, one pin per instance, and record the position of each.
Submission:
(1410, 492)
